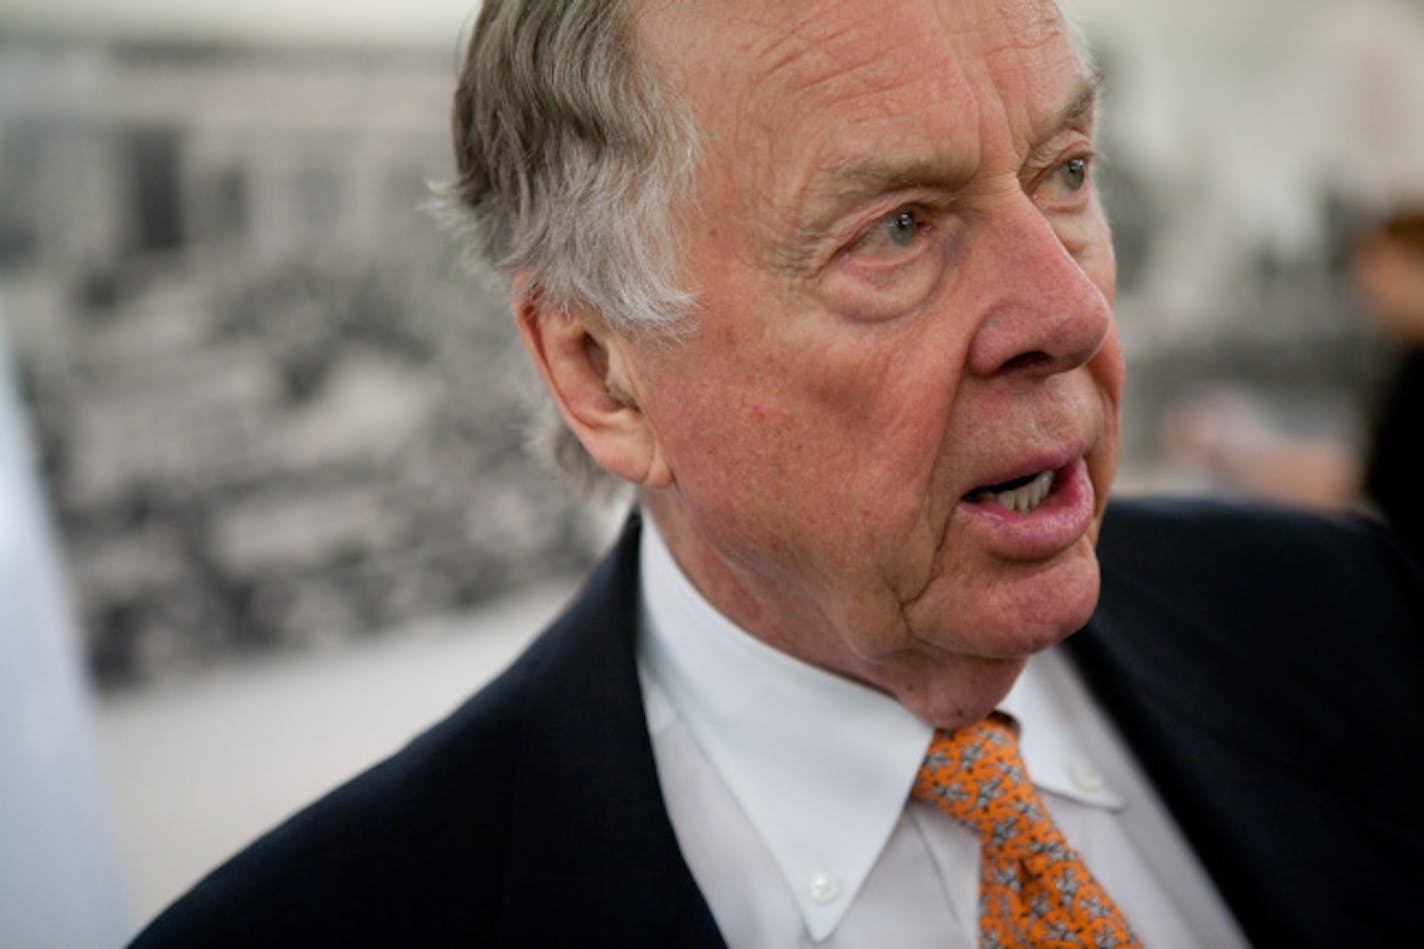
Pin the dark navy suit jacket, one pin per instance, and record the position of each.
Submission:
(1267, 670)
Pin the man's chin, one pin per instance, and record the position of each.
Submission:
(954, 697)
(1045, 606)
(987, 650)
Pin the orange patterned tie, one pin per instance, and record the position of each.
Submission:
(1034, 890)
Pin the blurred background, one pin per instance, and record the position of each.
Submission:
(265, 506)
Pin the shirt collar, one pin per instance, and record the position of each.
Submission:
(1049, 717)
(762, 718)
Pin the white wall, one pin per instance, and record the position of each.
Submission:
(59, 879)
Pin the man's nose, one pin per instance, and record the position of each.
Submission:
(1043, 313)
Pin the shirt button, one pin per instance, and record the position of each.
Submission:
(1085, 778)
(824, 888)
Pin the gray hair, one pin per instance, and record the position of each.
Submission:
(569, 159)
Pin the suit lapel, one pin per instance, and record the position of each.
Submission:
(1197, 772)
(1253, 765)
(592, 849)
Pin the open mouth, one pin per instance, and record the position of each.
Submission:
(1021, 495)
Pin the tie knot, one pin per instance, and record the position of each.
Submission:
(975, 775)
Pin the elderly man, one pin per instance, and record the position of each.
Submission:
(830, 285)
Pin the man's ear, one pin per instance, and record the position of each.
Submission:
(590, 371)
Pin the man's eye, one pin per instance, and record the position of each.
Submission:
(892, 234)
(1073, 173)
(901, 227)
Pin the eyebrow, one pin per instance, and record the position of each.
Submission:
(1081, 105)
(845, 184)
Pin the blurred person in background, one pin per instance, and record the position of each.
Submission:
(1387, 266)
(1239, 445)
(874, 661)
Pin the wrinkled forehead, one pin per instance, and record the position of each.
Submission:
(803, 45)
(781, 92)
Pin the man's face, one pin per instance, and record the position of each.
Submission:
(906, 282)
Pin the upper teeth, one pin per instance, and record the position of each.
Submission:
(1028, 497)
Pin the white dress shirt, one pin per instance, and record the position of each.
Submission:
(788, 788)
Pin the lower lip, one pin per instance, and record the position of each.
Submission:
(1054, 526)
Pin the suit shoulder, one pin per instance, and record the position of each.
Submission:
(1268, 576)
(1229, 612)
(1199, 538)
(418, 849)
(374, 859)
